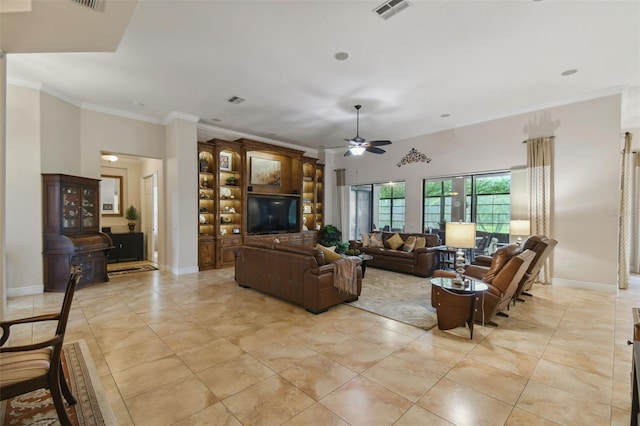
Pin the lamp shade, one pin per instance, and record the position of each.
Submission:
(519, 227)
(460, 234)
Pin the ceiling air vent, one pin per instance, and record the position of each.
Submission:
(235, 100)
(387, 9)
(91, 4)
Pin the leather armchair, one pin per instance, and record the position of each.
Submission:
(540, 244)
(502, 287)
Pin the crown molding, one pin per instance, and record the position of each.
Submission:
(119, 113)
(175, 115)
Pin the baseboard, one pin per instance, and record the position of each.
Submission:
(584, 285)
(25, 291)
(184, 271)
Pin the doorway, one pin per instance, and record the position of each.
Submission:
(150, 216)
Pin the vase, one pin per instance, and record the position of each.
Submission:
(132, 226)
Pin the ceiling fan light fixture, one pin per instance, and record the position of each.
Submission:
(357, 150)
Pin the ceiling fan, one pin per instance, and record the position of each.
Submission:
(358, 145)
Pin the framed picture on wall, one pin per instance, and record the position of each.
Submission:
(226, 161)
(265, 171)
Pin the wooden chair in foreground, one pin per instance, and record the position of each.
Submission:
(31, 367)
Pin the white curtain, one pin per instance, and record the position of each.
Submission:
(342, 204)
(539, 182)
(628, 250)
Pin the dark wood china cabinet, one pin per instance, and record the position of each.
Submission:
(70, 228)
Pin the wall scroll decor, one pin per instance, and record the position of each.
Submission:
(414, 156)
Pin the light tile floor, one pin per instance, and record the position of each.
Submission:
(197, 349)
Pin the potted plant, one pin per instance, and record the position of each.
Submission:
(131, 214)
(231, 181)
(329, 236)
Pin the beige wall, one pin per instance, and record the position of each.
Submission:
(60, 133)
(587, 148)
(130, 171)
(23, 212)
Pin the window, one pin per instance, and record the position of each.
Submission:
(487, 202)
(377, 205)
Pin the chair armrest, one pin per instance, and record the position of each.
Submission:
(6, 325)
(482, 260)
(475, 271)
(38, 345)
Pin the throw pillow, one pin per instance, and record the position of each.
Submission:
(409, 244)
(375, 241)
(329, 255)
(421, 242)
(366, 242)
(395, 242)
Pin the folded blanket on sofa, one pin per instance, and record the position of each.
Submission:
(345, 275)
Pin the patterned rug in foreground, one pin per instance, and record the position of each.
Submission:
(402, 297)
(131, 269)
(36, 408)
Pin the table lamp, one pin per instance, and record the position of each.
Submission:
(460, 235)
(519, 228)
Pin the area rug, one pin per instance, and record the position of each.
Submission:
(36, 408)
(402, 297)
(130, 269)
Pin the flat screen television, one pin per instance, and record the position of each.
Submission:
(271, 214)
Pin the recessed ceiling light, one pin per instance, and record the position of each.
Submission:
(570, 72)
(110, 158)
(445, 115)
(341, 56)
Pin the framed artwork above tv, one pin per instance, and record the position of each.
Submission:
(265, 171)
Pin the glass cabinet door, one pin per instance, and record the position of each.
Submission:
(89, 197)
(70, 206)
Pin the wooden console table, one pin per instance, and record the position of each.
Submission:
(127, 246)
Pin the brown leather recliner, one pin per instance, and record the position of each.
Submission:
(540, 244)
(503, 287)
(485, 268)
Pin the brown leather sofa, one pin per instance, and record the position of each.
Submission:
(421, 262)
(293, 272)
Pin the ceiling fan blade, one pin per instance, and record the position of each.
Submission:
(379, 143)
(348, 153)
(375, 150)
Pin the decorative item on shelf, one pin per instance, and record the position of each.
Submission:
(232, 210)
(232, 181)
(203, 209)
(226, 209)
(306, 209)
(460, 235)
(226, 160)
(304, 223)
(131, 215)
(204, 164)
(205, 182)
(203, 220)
(225, 193)
(236, 230)
(223, 231)
(225, 219)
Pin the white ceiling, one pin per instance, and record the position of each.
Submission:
(475, 60)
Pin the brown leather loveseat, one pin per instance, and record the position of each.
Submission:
(419, 261)
(293, 272)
